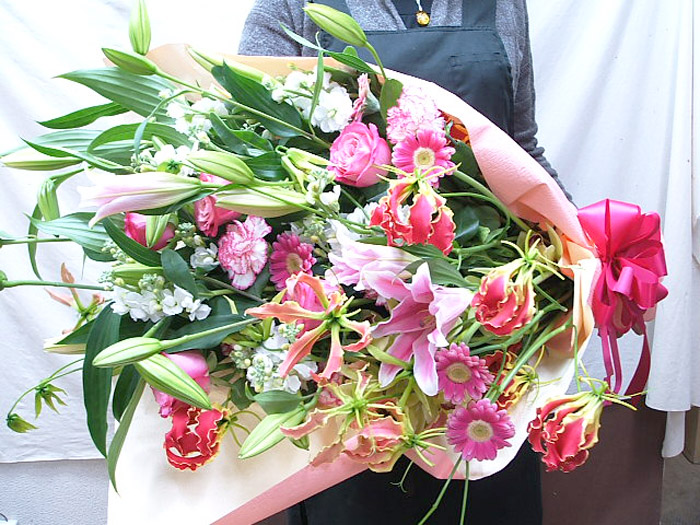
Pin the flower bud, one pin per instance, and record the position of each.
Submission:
(132, 273)
(340, 25)
(251, 202)
(267, 433)
(31, 160)
(128, 351)
(164, 375)
(222, 164)
(47, 200)
(131, 62)
(140, 28)
(18, 424)
(155, 228)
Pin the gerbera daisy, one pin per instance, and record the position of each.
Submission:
(289, 257)
(426, 151)
(480, 430)
(461, 376)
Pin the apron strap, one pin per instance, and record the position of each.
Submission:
(479, 13)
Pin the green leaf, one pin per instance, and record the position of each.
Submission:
(352, 61)
(424, 251)
(164, 375)
(489, 217)
(124, 391)
(238, 394)
(93, 160)
(238, 140)
(75, 227)
(277, 401)
(126, 132)
(33, 246)
(178, 271)
(212, 340)
(254, 95)
(135, 92)
(83, 117)
(115, 447)
(466, 224)
(464, 157)
(97, 382)
(267, 166)
(133, 249)
(391, 91)
(441, 272)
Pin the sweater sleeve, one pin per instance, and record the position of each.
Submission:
(263, 34)
(525, 126)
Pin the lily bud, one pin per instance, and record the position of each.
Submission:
(276, 203)
(340, 25)
(155, 228)
(132, 273)
(140, 28)
(267, 433)
(164, 375)
(131, 62)
(31, 160)
(47, 200)
(55, 346)
(222, 164)
(127, 351)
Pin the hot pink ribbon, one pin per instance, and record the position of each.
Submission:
(632, 259)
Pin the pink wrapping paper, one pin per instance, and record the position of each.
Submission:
(522, 184)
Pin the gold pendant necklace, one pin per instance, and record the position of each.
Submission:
(422, 17)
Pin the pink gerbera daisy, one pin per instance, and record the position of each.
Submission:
(426, 151)
(289, 257)
(460, 375)
(479, 431)
(243, 250)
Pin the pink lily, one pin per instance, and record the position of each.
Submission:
(333, 318)
(421, 321)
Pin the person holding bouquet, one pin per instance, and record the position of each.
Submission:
(479, 50)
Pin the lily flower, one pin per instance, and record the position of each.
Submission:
(334, 318)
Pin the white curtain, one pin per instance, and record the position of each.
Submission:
(614, 85)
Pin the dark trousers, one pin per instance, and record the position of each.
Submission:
(511, 497)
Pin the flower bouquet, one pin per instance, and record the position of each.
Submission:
(318, 266)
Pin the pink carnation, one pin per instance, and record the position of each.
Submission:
(243, 250)
(358, 106)
(478, 432)
(289, 257)
(427, 152)
(460, 375)
(414, 110)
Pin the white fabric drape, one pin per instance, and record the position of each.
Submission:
(614, 85)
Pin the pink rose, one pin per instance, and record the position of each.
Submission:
(208, 216)
(194, 364)
(135, 228)
(357, 154)
(503, 306)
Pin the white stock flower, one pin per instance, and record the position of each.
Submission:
(205, 258)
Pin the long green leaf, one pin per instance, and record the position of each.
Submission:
(83, 117)
(137, 93)
(33, 246)
(75, 227)
(391, 91)
(178, 271)
(93, 160)
(254, 95)
(124, 391)
(97, 383)
(267, 166)
(238, 140)
(126, 132)
(115, 447)
(133, 249)
(208, 341)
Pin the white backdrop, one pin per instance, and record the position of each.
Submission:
(615, 105)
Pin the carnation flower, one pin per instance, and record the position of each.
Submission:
(426, 151)
(480, 430)
(414, 110)
(243, 250)
(460, 375)
(289, 257)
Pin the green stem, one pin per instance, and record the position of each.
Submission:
(56, 375)
(494, 200)
(371, 49)
(12, 284)
(463, 515)
(170, 343)
(33, 240)
(436, 504)
(230, 288)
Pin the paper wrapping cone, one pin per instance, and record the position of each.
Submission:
(239, 492)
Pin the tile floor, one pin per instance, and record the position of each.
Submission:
(680, 500)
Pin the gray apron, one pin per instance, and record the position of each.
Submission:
(468, 60)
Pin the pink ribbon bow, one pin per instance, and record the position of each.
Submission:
(632, 259)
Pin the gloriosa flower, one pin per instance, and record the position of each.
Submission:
(565, 429)
(195, 437)
(333, 319)
(428, 219)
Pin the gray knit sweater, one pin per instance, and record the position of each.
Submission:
(262, 35)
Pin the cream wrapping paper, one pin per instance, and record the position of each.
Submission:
(229, 491)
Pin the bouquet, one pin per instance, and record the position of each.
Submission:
(332, 259)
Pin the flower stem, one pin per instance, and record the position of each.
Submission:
(12, 284)
(32, 240)
(463, 515)
(170, 343)
(436, 504)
